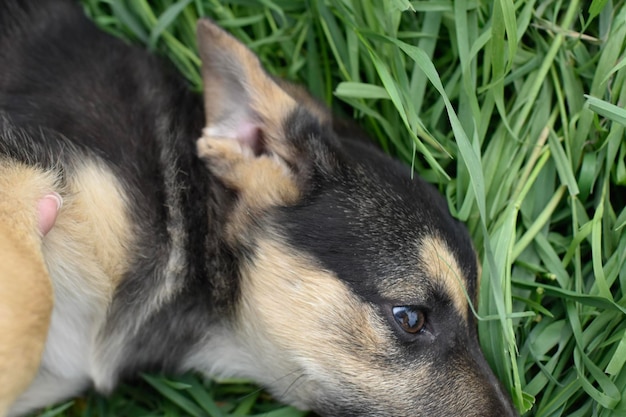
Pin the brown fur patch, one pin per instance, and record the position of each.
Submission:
(441, 265)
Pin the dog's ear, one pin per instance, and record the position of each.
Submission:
(257, 136)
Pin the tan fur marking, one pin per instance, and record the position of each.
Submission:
(308, 322)
(273, 105)
(440, 265)
(262, 181)
(91, 233)
(94, 222)
(25, 288)
(283, 281)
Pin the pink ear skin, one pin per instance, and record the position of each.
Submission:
(250, 136)
(47, 210)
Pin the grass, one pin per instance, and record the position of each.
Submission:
(515, 110)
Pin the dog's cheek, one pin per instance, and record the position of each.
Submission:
(312, 337)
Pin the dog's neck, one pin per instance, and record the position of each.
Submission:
(183, 280)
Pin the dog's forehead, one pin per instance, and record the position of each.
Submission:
(387, 236)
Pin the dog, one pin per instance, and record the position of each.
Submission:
(242, 233)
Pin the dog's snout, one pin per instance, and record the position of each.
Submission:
(468, 385)
(500, 401)
(501, 404)
(503, 398)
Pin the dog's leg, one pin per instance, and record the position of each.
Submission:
(26, 297)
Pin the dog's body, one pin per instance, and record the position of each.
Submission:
(270, 248)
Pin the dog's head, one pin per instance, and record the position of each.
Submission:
(356, 282)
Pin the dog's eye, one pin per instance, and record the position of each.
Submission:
(410, 318)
